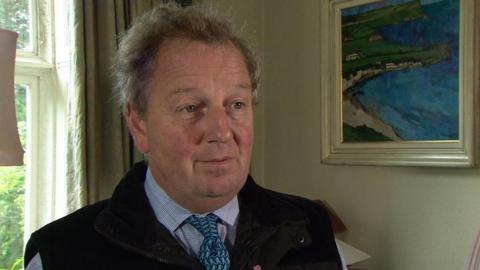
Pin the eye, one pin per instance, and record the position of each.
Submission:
(238, 105)
(190, 108)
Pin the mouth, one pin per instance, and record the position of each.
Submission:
(217, 160)
(217, 166)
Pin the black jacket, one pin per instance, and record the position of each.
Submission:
(275, 231)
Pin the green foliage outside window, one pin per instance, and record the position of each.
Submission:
(15, 16)
(12, 198)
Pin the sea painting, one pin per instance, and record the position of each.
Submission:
(400, 71)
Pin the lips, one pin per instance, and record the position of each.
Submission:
(217, 160)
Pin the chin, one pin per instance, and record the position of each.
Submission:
(224, 186)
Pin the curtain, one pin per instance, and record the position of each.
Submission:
(107, 145)
(99, 150)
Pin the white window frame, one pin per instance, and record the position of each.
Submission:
(46, 121)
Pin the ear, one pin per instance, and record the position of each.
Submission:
(138, 129)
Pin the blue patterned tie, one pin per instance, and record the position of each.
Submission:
(212, 254)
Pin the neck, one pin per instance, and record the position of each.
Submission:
(203, 205)
(194, 201)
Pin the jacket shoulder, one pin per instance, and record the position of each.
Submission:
(303, 218)
(62, 233)
(272, 207)
(82, 216)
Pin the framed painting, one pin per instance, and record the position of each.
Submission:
(399, 82)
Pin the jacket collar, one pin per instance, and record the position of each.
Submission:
(281, 208)
(270, 225)
(129, 220)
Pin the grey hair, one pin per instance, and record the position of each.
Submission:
(134, 61)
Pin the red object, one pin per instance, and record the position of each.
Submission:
(337, 224)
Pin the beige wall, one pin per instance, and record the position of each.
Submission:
(406, 218)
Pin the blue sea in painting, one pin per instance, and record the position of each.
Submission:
(420, 103)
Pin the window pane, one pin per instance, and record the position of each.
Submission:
(16, 15)
(12, 196)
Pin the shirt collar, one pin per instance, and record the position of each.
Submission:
(172, 215)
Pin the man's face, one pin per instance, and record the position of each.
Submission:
(198, 128)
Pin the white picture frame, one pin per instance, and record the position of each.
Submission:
(448, 153)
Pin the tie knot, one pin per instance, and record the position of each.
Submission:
(207, 225)
(213, 254)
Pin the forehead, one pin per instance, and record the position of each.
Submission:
(185, 58)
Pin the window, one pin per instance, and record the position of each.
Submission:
(27, 193)
(12, 196)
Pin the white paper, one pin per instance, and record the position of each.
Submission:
(351, 254)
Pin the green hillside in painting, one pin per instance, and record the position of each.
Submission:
(364, 48)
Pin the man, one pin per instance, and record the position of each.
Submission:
(188, 84)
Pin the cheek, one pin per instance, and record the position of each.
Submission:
(245, 138)
(179, 144)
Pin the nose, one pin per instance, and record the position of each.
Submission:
(218, 129)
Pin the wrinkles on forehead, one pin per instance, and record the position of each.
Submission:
(174, 60)
(176, 52)
(188, 90)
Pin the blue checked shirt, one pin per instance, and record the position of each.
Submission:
(172, 216)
